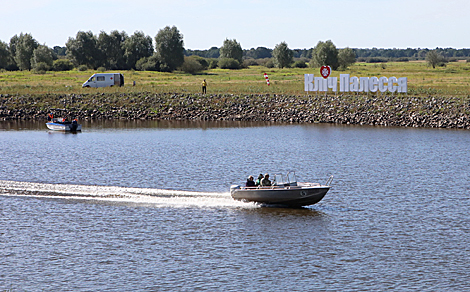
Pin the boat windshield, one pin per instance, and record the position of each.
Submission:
(288, 179)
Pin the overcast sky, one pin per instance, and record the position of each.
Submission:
(253, 23)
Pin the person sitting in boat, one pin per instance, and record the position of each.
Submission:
(258, 181)
(265, 182)
(50, 117)
(250, 181)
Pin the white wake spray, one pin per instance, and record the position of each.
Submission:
(157, 197)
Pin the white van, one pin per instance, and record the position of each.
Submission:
(104, 80)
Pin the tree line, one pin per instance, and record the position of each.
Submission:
(165, 52)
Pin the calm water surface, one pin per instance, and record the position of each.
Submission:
(144, 206)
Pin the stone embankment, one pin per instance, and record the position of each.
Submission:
(384, 110)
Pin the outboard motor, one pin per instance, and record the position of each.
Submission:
(74, 125)
(233, 188)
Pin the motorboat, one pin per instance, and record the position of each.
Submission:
(285, 190)
(62, 124)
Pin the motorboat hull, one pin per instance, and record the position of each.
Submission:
(292, 196)
(63, 126)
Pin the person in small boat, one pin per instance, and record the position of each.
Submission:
(265, 182)
(258, 181)
(250, 182)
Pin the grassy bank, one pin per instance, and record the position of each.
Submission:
(452, 80)
(436, 97)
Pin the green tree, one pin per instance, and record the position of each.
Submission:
(42, 54)
(283, 56)
(136, 47)
(259, 53)
(60, 51)
(346, 57)
(24, 51)
(13, 43)
(83, 50)
(213, 52)
(4, 55)
(12, 50)
(231, 49)
(170, 48)
(434, 58)
(111, 49)
(325, 54)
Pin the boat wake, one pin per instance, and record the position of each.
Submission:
(145, 196)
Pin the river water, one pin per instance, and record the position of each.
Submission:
(145, 206)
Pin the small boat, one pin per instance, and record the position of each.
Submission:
(62, 124)
(285, 191)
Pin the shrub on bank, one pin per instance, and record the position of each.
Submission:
(62, 65)
(299, 64)
(229, 63)
(269, 63)
(213, 63)
(41, 68)
(191, 65)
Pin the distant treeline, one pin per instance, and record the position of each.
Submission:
(362, 55)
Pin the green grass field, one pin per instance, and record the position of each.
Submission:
(451, 80)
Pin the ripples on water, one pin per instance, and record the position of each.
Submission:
(145, 206)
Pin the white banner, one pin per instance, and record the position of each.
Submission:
(355, 84)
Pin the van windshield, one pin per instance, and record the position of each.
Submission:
(91, 79)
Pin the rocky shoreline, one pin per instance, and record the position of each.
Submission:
(383, 110)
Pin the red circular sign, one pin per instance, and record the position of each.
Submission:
(325, 71)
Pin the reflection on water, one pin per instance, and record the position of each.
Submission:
(136, 124)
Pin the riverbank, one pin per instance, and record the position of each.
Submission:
(384, 110)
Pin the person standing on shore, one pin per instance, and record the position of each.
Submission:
(204, 85)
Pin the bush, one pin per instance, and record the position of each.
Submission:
(299, 64)
(164, 68)
(101, 69)
(213, 63)
(41, 68)
(402, 59)
(361, 59)
(62, 65)
(269, 63)
(376, 60)
(249, 62)
(151, 63)
(82, 68)
(201, 61)
(191, 65)
(229, 63)
(263, 61)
